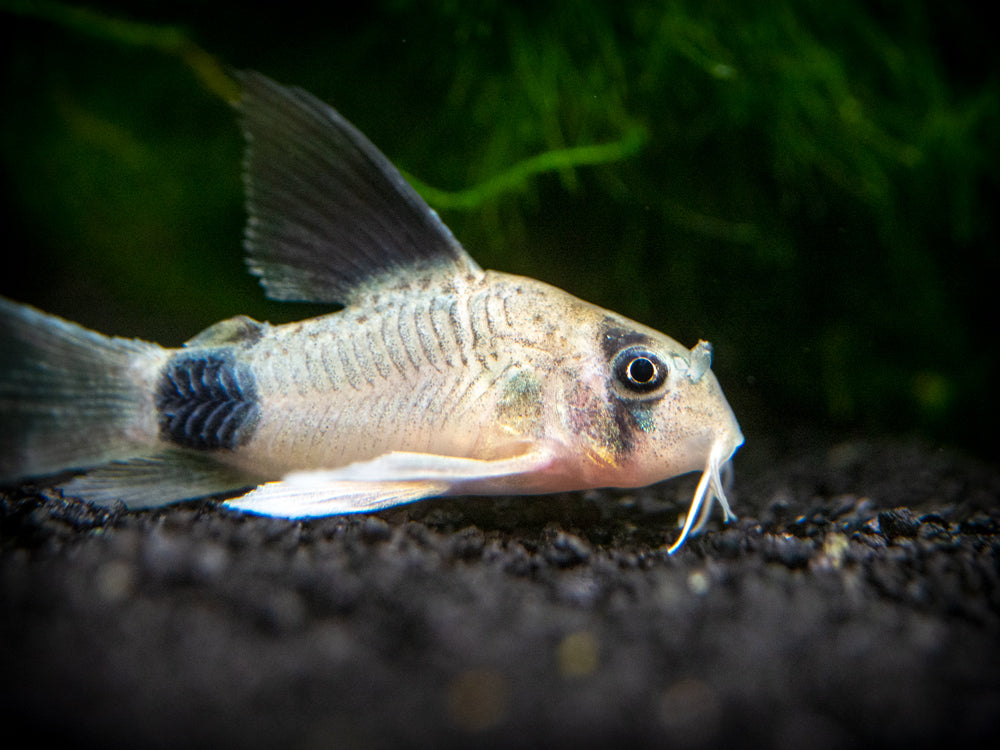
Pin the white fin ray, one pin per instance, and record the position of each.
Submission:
(405, 466)
(391, 479)
(314, 497)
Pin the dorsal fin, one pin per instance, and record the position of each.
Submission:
(330, 217)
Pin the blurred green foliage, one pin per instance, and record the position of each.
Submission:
(814, 190)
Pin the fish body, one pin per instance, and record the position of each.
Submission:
(436, 378)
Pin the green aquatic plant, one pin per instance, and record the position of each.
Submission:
(810, 185)
(174, 41)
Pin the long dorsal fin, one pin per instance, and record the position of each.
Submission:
(330, 217)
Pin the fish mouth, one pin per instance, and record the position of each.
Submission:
(708, 491)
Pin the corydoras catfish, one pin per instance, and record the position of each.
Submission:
(436, 377)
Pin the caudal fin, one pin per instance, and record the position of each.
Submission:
(69, 397)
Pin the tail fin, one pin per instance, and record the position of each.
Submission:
(69, 397)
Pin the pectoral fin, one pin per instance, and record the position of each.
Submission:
(391, 479)
(309, 498)
(403, 465)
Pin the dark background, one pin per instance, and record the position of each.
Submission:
(817, 195)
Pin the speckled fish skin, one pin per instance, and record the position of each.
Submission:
(436, 378)
(495, 364)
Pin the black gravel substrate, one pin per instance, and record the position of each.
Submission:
(855, 603)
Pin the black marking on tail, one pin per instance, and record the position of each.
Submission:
(207, 401)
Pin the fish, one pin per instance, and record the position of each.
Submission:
(430, 377)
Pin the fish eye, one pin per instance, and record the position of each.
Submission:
(639, 370)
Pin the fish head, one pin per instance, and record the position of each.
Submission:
(640, 407)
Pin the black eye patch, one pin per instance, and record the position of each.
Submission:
(614, 338)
